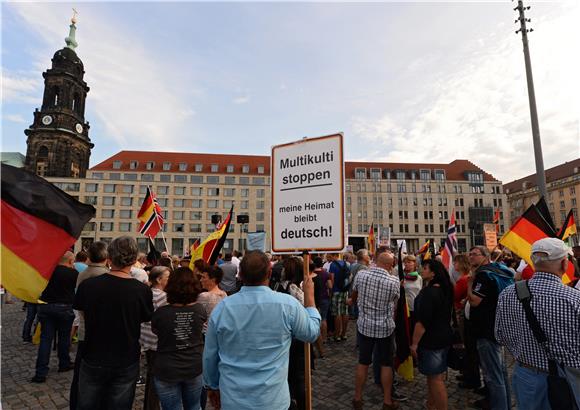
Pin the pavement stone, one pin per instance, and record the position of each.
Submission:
(332, 376)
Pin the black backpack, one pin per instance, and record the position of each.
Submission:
(342, 277)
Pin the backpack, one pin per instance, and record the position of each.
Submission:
(342, 277)
(499, 274)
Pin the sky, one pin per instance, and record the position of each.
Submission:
(405, 81)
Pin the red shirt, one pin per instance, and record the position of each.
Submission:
(527, 273)
(460, 292)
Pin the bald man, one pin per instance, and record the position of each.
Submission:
(376, 292)
(56, 317)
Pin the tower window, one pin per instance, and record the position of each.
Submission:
(55, 93)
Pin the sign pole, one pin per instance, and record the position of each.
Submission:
(307, 372)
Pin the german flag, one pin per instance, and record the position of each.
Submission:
(423, 249)
(403, 358)
(569, 227)
(526, 230)
(496, 220)
(210, 248)
(150, 215)
(39, 223)
(372, 239)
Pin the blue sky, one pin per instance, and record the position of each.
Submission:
(405, 82)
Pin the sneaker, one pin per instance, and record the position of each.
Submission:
(38, 379)
(398, 396)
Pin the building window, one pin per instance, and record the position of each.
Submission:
(147, 177)
(180, 178)
(91, 187)
(212, 179)
(195, 215)
(213, 192)
(229, 169)
(178, 227)
(133, 164)
(130, 177)
(360, 173)
(126, 201)
(196, 191)
(194, 227)
(117, 164)
(109, 200)
(400, 175)
(149, 165)
(425, 174)
(214, 168)
(230, 180)
(375, 173)
(213, 203)
(245, 169)
(162, 189)
(196, 179)
(166, 166)
(128, 189)
(106, 226)
(91, 200)
(244, 192)
(259, 204)
(196, 203)
(198, 167)
(178, 203)
(125, 214)
(245, 204)
(179, 190)
(182, 166)
(439, 175)
(260, 193)
(229, 192)
(260, 169)
(260, 216)
(258, 181)
(107, 213)
(162, 202)
(109, 188)
(244, 180)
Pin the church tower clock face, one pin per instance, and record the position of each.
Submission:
(58, 143)
(47, 120)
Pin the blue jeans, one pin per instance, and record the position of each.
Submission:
(495, 374)
(183, 395)
(107, 387)
(31, 311)
(531, 388)
(54, 318)
(573, 377)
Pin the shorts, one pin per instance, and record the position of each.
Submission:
(323, 308)
(432, 361)
(339, 304)
(384, 347)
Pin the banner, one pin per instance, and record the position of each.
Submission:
(256, 241)
(490, 234)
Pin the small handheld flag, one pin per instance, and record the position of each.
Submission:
(150, 215)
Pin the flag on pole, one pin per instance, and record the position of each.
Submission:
(150, 215)
(496, 220)
(209, 249)
(39, 223)
(450, 248)
(423, 249)
(403, 358)
(372, 239)
(568, 228)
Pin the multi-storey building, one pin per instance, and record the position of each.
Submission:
(562, 184)
(409, 201)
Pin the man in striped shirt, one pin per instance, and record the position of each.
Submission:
(376, 292)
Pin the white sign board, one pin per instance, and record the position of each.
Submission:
(308, 195)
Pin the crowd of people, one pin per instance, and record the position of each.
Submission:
(233, 334)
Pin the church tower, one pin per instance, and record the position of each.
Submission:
(58, 143)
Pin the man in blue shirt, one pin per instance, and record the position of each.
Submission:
(245, 359)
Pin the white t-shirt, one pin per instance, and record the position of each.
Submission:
(139, 274)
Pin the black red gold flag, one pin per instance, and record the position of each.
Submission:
(39, 223)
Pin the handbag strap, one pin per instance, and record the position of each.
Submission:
(525, 296)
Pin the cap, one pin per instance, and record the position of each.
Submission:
(554, 248)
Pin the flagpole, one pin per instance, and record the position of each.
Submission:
(157, 219)
(307, 372)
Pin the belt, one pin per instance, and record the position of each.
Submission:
(537, 369)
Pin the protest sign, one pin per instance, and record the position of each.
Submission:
(307, 195)
(490, 236)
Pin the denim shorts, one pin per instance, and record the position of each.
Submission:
(323, 308)
(432, 361)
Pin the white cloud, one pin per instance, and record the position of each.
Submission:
(479, 110)
(20, 87)
(14, 118)
(136, 103)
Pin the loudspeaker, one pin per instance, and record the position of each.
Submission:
(216, 219)
(243, 219)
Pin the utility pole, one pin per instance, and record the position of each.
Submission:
(540, 174)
